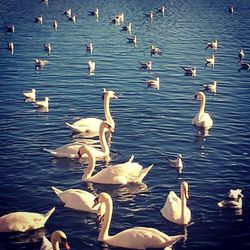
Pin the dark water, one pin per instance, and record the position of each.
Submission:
(149, 124)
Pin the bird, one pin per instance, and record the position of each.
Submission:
(67, 12)
(154, 83)
(47, 47)
(89, 47)
(177, 163)
(202, 119)
(241, 54)
(43, 104)
(118, 19)
(55, 25)
(10, 28)
(175, 208)
(190, 71)
(161, 10)
(210, 61)
(39, 19)
(211, 87)
(213, 44)
(31, 95)
(57, 237)
(11, 47)
(91, 66)
(234, 193)
(76, 199)
(73, 150)
(148, 65)
(121, 173)
(150, 15)
(94, 12)
(132, 238)
(23, 221)
(231, 9)
(40, 63)
(235, 203)
(132, 39)
(154, 50)
(244, 65)
(72, 18)
(91, 125)
(127, 27)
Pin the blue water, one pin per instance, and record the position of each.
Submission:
(150, 124)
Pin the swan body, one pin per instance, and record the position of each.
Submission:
(211, 87)
(175, 208)
(154, 83)
(77, 199)
(118, 19)
(92, 125)
(40, 63)
(202, 119)
(73, 150)
(89, 47)
(155, 50)
(177, 163)
(23, 221)
(47, 47)
(133, 238)
(210, 61)
(161, 10)
(30, 95)
(39, 19)
(235, 203)
(10, 28)
(91, 66)
(123, 173)
(212, 45)
(147, 65)
(190, 71)
(150, 15)
(43, 104)
(57, 237)
(127, 28)
(132, 39)
(11, 47)
(68, 12)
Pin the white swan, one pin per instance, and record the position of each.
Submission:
(94, 13)
(154, 83)
(57, 237)
(40, 62)
(175, 208)
(89, 47)
(10, 28)
(127, 27)
(241, 54)
(55, 25)
(123, 173)
(43, 104)
(177, 163)
(11, 47)
(73, 150)
(31, 95)
(47, 47)
(136, 237)
(132, 39)
(23, 221)
(39, 19)
(211, 87)
(91, 66)
(154, 50)
(235, 202)
(190, 71)
(210, 61)
(91, 125)
(212, 45)
(76, 199)
(148, 65)
(202, 119)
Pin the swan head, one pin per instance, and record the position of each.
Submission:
(60, 236)
(101, 198)
(199, 96)
(184, 189)
(235, 194)
(109, 93)
(180, 156)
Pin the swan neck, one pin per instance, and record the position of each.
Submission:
(183, 205)
(103, 141)
(104, 233)
(108, 116)
(203, 104)
(91, 166)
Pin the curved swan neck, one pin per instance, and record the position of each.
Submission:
(91, 165)
(108, 116)
(103, 141)
(183, 204)
(203, 104)
(104, 233)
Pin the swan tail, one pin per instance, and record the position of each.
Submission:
(173, 239)
(144, 172)
(131, 159)
(56, 190)
(47, 215)
(50, 151)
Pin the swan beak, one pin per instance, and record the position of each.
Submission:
(195, 97)
(115, 97)
(65, 244)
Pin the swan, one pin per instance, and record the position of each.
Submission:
(235, 203)
(31, 95)
(211, 87)
(154, 83)
(149, 15)
(11, 47)
(190, 71)
(91, 125)
(76, 199)
(10, 28)
(72, 150)
(39, 19)
(91, 66)
(68, 12)
(244, 65)
(231, 9)
(47, 47)
(147, 65)
(202, 119)
(234, 193)
(132, 39)
(175, 208)
(89, 47)
(55, 25)
(127, 28)
(40, 62)
(43, 104)
(161, 10)
(241, 54)
(210, 61)
(212, 45)
(177, 163)
(94, 12)
(57, 237)
(23, 221)
(123, 173)
(155, 50)
(136, 237)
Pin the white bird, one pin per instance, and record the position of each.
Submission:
(136, 237)
(89, 47)
(68, 12)
(161, 10)
(23, 221)
(155, 50)
(127, 28)
(175, 208)
(202, 119)
(190, 71)
(94, 12)
(31, 95)
(92, 125)
(73, 150)
(72, 18)
(57, 237)
(11, 47)
(177, 163)
(10, 28)
(148, 65)
(210, 61)
(244, 65)
(235, 203)
(234, 193)
(40, 62)
(150, 15)
(43, 104)
(211, 87)
(76, 199)
(132, 39)
(39, 19)
(91, 66)
(241, 54)
(212, 45)
(47, 47)
(231, 9)
(122, 173)
(154, 83)
(55, 25)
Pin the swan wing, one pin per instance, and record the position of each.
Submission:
(85, 125)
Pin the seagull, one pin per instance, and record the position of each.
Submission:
(211, 87)
(210, 61)
(94, 12)
(132, 39)
(147, 65)
(190, 71)
(47, 47)
(30, 95)
(177, 163)
(39, 19)
(43, 104)
(212, 45)
(89, 47)
(127, 28)
(40, 63)
(91, 66)
(55, 25)
(154, 83)
(10, 28)
(155, 50)
(241, 54)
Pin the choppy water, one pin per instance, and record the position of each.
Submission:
(149, 124)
